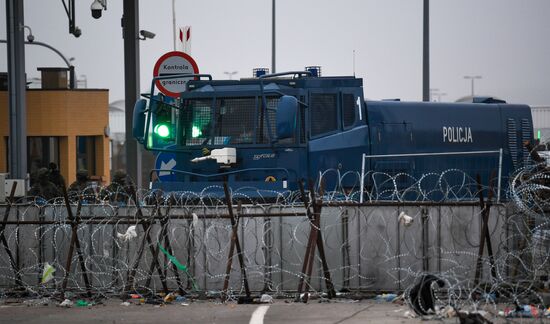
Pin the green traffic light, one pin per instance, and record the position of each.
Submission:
(162, 130)
(195, 132)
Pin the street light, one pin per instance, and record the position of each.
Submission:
(84, 80)
(30, 37)
(433, 92)
(273, 36)
(30, 41)
(472, 78)
(231, 74)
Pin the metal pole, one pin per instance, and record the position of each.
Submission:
(472, 80)
(16, 90)
(426, 53)
(130, 29)
(174, 22)
(499, 174)
(273, 38)
(354, 66)
(362, 176)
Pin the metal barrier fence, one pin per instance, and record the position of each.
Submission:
(400, 181)
(299, 243)
(367, 247)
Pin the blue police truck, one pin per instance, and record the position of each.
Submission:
(268, 132)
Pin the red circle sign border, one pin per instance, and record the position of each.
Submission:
(164, 57)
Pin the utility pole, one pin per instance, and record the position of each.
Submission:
(130, 27)
(472, 78)
(273, 37)
(426, 53)
(230, 74)
(174, 23)
(16, 89)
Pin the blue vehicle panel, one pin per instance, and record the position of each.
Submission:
(322, 128)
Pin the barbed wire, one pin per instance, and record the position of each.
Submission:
(369, 247)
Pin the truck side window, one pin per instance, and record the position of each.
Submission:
(324, 115)
(262, 135)
(348, 109)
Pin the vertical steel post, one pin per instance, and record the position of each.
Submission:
(426, 53)
(273, 37)
(16, 89)
(174, 23)
(130, 27)
(499, 174)
(425, 240)
(362, 177)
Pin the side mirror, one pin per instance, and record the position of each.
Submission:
(138, 124)
(287, 112)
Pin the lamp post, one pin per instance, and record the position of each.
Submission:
(15, 35)
(273, 36)
(130, 33)
(83, 80)
(231, 74)
(472, 78)
(30, 41)
(426, 52)
(433, 92)
(174, 23)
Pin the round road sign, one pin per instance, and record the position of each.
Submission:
(173, 63)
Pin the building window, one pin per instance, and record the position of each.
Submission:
(41, 150)
(85, 153)
(324, 115)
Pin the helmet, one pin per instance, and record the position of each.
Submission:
(119, 176)
(43, 175)
(82, 175)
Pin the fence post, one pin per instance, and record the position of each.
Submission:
(362, 176)
(499, 174)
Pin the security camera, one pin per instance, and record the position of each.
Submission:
(30, 38)
(146, 34)
(97, 9)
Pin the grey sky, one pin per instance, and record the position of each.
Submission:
(505, 41)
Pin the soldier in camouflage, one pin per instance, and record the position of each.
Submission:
(117, 190)
(76, 188)
(43, 187)
(55, 176)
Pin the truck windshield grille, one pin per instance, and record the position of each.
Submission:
(196, 122)
(234, 120)
(229, 121)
